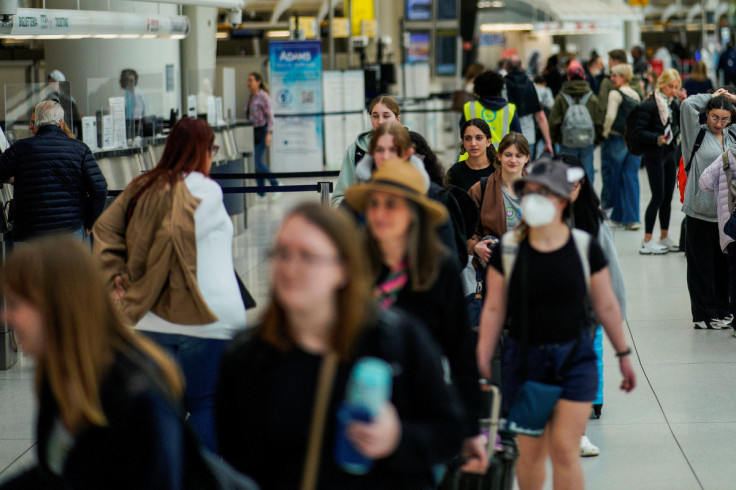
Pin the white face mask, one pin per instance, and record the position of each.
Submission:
(537, 210)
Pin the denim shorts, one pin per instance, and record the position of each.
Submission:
(579, 384)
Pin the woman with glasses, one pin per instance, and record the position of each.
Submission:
(165, 249)
(321, 312)
(707, 265)
(550, 334)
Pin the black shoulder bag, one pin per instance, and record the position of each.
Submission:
(535, 401)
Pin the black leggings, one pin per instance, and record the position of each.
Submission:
(662, 173)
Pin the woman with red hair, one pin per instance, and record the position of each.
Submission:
(165, 249)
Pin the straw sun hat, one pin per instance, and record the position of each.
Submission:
(400, 178)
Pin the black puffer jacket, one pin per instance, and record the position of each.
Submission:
(649, 127)
(58, 184)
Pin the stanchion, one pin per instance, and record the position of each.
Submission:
(8, 344)
(324, 192)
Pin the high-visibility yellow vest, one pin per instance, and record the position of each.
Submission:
(499, 121)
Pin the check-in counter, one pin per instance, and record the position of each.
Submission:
(120, 166)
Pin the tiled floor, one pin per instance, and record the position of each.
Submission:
(675, 431)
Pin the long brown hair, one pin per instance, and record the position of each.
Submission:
(512, 139)
(423, 252)
(402, 138)
(187, 150)
(259, 78)
(353, 299)
(82, 331)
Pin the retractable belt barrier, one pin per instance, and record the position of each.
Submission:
(324, 188)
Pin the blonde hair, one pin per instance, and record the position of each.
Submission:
(668, 76)
(623, 70)
(82, 332)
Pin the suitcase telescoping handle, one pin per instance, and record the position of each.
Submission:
(490, 425)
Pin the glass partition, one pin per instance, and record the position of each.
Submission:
(21, 99)
(201, 84)
(139, 105)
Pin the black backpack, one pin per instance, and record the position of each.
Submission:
(631, 138)
(628, 104)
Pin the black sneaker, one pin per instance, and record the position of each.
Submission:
(713, 324)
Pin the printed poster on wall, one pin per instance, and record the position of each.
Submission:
(296, 92)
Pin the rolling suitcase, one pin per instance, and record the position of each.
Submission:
(502, 454)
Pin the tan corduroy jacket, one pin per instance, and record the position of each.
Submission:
(155, 254)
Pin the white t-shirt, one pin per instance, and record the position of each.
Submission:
(215, 272)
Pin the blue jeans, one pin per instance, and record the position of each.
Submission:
(585, 155)
(624, 188)
(259, 141)
(606, 198)
(199, 360)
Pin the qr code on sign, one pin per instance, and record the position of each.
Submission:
(307, 96)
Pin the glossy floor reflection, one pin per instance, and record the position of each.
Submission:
(676, 431)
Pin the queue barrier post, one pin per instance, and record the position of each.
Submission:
(325, 188)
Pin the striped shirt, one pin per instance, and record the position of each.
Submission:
(259, 110)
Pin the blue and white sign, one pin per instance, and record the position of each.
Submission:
(296, 90)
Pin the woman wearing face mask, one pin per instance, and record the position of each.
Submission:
(476, 142)
(388, 141)
(658, 129)
(321, 308)
(499, 206)
(548, 325)
(707, 265)
(383, 109)
(412, 271)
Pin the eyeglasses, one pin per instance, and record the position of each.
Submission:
(540, 192)
(280, 255)
(715, 119)
(214, 149)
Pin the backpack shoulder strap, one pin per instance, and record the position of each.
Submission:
(509, 252)
(726, 165)
(732, 132)
(585, 98)
(483, 185)
(696, 147)
(582, 244)
(567, 98)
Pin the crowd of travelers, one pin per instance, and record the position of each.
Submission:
(391, 313)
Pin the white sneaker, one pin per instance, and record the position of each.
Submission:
(671, 246)
(713, 324)
(652, 248)
(587, 448)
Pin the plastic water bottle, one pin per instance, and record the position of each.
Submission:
(368, 390)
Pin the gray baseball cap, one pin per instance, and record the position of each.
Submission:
(552, 174)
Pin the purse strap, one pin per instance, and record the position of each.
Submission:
(319, 415)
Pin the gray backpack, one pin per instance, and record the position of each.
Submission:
(578, 130)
